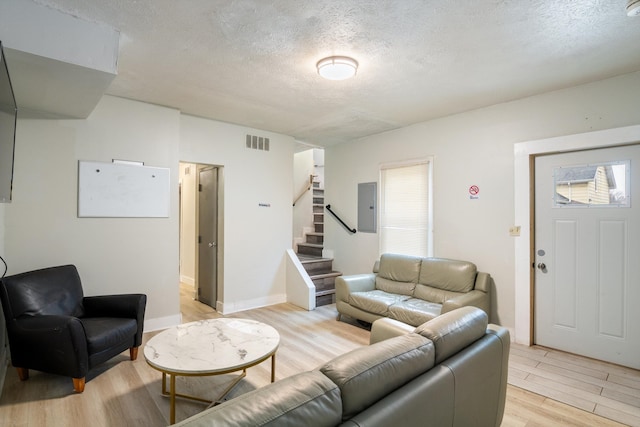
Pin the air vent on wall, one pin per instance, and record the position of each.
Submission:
(257, 142)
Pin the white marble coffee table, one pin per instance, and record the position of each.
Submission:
(210, 347)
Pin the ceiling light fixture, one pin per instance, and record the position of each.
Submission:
(633, 7)
(338, 67)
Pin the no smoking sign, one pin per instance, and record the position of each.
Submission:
(474, 190)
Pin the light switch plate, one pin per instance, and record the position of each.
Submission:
(514, 231)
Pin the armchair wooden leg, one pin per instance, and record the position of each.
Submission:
(23, 374)
(133, 353)
(78, 384)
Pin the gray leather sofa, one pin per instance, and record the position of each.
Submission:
(451, 371)
(412, 289)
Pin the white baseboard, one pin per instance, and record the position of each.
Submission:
(187, 280)
(234, 307)
(162, 322)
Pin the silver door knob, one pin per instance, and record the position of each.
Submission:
(211, 244)
(542, 266)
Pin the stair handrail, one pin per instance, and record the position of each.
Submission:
(351, 230)
(303, 192)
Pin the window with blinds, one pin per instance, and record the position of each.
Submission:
(405, 209)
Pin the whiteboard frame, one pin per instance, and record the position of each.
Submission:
(122, 190)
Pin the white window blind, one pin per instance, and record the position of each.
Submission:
(405, 210)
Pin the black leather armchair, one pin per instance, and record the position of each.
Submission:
(52, 327)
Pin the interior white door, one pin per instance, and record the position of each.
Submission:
(587, 260)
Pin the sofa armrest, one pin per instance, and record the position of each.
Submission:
(345, 285)
(130, 306)
(385, 328)
(125, 305)
(474, 298)
(62, 338)
(483, 282)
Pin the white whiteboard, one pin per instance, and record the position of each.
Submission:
(122, 190)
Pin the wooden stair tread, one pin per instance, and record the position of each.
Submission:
(311, 245)
(305, 259)
(325, 275)
(327, 292)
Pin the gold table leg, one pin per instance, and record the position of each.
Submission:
(172, 389)
(273, 367)
(172, 400)
(171, 394)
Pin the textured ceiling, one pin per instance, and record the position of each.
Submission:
(253, 62)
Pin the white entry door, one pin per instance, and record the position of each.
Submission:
(587, 253)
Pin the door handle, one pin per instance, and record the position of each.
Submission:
(212, 244)
(542, 267)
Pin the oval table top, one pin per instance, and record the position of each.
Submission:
(211, 346)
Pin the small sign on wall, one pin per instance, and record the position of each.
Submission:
(474, 192)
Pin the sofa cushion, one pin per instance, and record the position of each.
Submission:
(375, 301)
(414, 311)
(447, 274)
(290, 402)
(107, 332)
(367, 374)
(455, 330)
(393, 287)
(431, 294)
(398, 274)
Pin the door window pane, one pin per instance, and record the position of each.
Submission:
(593, 185)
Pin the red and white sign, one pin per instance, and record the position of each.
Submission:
(474, 190)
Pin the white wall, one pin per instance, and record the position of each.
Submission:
(2, 221)
(188, 223)
(303, 210)
(472, 148)
(4, 349)
(113, 255)
(119, 255)
(116, 255)
(318, 162)
(255, 238)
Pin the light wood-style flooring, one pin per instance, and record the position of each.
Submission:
(590, 385)
(125, 393)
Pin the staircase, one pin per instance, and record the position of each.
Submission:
(320, 269)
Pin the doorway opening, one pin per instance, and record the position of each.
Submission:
(201, 238)
(585, 241)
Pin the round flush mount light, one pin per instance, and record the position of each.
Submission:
(633, 8)
(338, 67)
